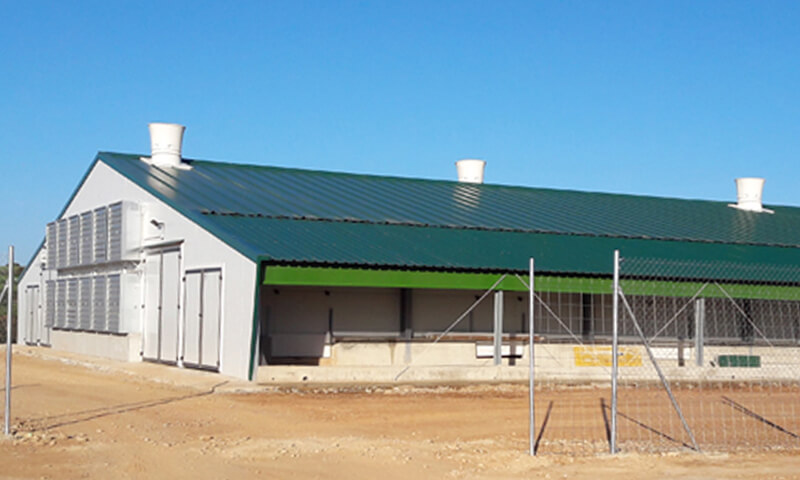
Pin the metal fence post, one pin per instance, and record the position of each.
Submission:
(614, 356)
(699, 329)
(7, 424)
(532, 426)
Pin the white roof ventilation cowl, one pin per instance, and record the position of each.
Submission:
(470, 170)
(166, 141)
(748, 195)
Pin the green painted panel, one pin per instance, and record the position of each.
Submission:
(747, 361)
(353, 277)
(710, 290)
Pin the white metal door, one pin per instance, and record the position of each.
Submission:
(152, 306)
(202, 327)
(36, 314)
(162, 305)
(170, 305)
(191, 331)
(212, 308)
(43, 321)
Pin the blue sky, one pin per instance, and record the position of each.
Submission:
(645, 97)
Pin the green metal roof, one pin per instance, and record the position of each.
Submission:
(292, 216)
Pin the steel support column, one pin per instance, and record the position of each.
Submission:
(699, 329)
(498, 327)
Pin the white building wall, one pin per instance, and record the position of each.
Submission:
(302, 322)
(381, 315)
(432, 311)
(300, 319)
(104, 186)
(34, 276)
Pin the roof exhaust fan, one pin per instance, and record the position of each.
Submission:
(470, 170)
(748, 195)
(166, 140)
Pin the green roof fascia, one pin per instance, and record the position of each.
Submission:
(382, 278)
(710, 290)
(370, 278)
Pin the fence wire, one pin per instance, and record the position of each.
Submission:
(573, 374)
(728, 352)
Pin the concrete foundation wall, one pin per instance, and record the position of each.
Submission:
(117, 347)
(458, 361)
(402, 353)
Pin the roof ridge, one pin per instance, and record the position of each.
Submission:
(492, 186)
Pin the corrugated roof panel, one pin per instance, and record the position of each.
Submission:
(477, 227)
(274, 192)
(312, 242)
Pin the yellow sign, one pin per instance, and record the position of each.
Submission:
(601, 357)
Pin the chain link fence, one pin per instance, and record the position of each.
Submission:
(709, 356)
(708, 360)
(573, 372)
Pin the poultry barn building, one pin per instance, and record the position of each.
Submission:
(265, 273)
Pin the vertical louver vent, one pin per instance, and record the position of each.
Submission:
(61, 304)
(85, 304)
(72, 303)
(105, 234)
(100, 235)
(74, 254)
(114, 294)
(51, 240)
(87, 238)
(50, 303)
(115, 232)
(91, 254)
(99, 309)
(61, 244)
(89, 303)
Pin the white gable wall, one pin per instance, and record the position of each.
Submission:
(200, 249)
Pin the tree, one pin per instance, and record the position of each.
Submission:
(4, 305)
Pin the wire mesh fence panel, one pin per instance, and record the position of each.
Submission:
(573, 357)
(709, 356)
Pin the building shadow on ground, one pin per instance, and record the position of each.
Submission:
(72, 418)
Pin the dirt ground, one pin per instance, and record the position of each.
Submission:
(71, 420)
